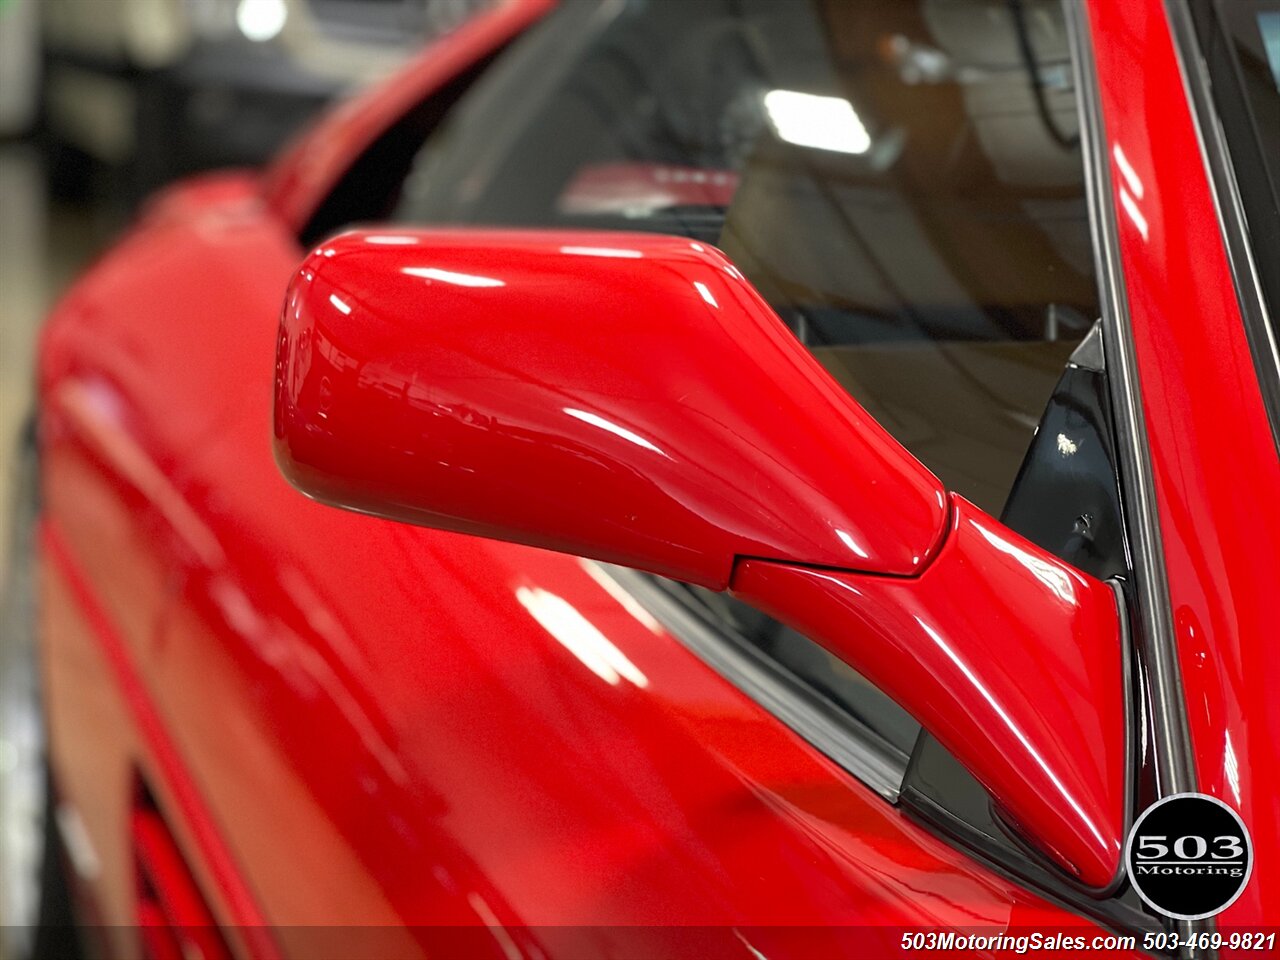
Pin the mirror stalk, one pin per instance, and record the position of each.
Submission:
(990, 618)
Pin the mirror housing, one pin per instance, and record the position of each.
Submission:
(631, 398)
(626, 398)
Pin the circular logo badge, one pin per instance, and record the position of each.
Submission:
(1189, 856)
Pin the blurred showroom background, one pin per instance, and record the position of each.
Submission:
(104, 101)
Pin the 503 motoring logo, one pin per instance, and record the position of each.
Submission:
(1189, 856)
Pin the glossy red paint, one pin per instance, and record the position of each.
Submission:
(166, 773)
(117, 525)
(389, 725)
(386, 725)
(1216, 471)
(227, 191)
(627, 397)
(992, 619)
(530, 748)
(294, 185)
(169, 900)
(436, 377)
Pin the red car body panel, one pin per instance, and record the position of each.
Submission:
(106, 585)
(344, 725)
(1216, 470)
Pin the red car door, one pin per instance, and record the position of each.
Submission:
(383, 740)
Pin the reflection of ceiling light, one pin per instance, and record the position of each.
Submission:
(611, 427)
(603, 252)
(580, 636)
(1126, 170)
(451, 276)
(807, 120)
(261, 20)
(852, 544)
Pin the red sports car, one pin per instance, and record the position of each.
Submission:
(812, 490)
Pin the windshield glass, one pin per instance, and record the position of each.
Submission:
(901, 180)
(1252, 30)
(1240, 44)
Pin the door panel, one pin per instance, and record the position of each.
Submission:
(92, 743)
(391, 725)
(453, 727)
(427, 728)
(118, 535)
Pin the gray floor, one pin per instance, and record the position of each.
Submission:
(42, 248)
(24, 290)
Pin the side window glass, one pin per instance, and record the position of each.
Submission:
(901, 179)
(1239, 44)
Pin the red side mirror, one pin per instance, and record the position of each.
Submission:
(632, 398)
(628, 398)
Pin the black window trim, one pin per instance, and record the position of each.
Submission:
(1174, 759)
(849, 743)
